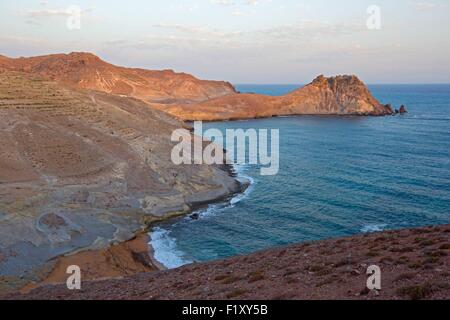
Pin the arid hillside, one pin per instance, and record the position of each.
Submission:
(414, 264)
(83, 170)
(341, 95)
(189, 98)
(87, 71)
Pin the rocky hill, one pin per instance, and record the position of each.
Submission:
(189, 98)
(414, 264)
(87, 71)
(85, 169)
(341, 95)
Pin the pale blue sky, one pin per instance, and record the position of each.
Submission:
(243, 41)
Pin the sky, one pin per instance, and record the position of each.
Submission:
(243, 41)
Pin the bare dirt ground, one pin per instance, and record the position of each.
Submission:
(415, 264)
(124, 259)
(87, 71)
(83, 170)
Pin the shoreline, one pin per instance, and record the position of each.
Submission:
(245, 180)
(125, 258)
(331, 115)
(110, 178)
(113, 262)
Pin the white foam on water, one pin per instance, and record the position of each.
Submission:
(165, 249)
(242, 177)
(214, 209)
(370, 228)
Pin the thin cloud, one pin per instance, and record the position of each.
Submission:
(223, 2)
(428, 6)
(238, 13)
(304, 30)
(236, 3)
(46, 13)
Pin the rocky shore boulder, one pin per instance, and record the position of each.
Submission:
(402, 110)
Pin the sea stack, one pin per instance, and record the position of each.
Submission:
(402, 110)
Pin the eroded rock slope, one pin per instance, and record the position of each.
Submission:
(341, 95)
(87, 71)
(84, 169)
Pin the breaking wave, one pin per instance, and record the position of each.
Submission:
(165, 249)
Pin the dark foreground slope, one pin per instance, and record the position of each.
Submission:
(415, 264)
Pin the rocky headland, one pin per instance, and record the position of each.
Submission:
(340, 95)
(189, 98)
(82, 170)
(414, 264)
(85, 166)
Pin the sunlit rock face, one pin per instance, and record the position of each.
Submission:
(189, 98)
(341, 95)
(85, 70)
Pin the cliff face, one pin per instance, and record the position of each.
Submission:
(335, 95)
(83, 169)
(87, 71)
(341, 95)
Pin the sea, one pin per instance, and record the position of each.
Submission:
(338, 176)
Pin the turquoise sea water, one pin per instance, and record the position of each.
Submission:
(338, 176)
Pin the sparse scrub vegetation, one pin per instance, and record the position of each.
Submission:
(416, 292)
(236, 293)
(256, 276)
(405, 276)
